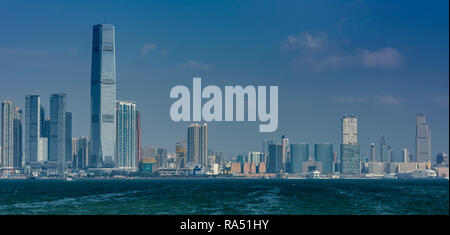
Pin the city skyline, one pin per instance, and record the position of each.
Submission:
(321, 113)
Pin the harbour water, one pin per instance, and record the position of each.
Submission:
(225, 196)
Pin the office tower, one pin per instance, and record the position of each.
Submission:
(180, 151)
(69, 137)
(42, 150)
(390, 154)
(17, 128)
(82, 155)
(442, 159)
(423, 139)
(350, 159)
(7, 159)
(405, 155)
(197, 144)
(299, 154)
(32, 127)
(41, 120)
(46, 134)
(275, 161)
(384, 150)
(349, 129)
(138, 138)
(126, 135)
(324, 153)
(103, 95)
(373, 157)
(58, 131)
(160, 154)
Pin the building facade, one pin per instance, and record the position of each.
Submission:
(323, 153)
(299, 155)
(58, 131)
(423, 139)
(32, 127)
(197, 144)
(7, 156)
(126, 135)
(103, 95)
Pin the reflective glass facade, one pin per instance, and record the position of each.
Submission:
(103, 96)
(126, 135)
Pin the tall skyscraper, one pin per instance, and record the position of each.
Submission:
(69, 137)
(180, 151)
(126, 135)
(42, 150)
(350, 155)
(384, 150)
(41, 120)
(58, 131)
(32, 128)
(275, 161)
(324, 153)
(265, 147)
(103, 95)
(18, 151)
(349, 129)
(423, 139)
(197, 144)
(299, 154)
(138, 138)
(7, 158)
(373, 156)
(405, 155)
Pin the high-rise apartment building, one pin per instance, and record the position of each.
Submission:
(103, 95)
(126, 135)
(275, 161)
(69, 149)
(373, 157)
(384, 150)
(7, 156)
(17, 129)
(350, 155)
(423, 139)
(197, 144)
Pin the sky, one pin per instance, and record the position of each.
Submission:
(383, 61)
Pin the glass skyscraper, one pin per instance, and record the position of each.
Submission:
(324, 153)
(299, 154)
(18, 151)
(126, 135)
(32, 128)
(275, 161)
(103, 95)
(350, 159)
(58, 131)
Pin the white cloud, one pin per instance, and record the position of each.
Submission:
(389, 99)
(146, 48)
(197, 65)
(304, 41)
(383, 58)
(315, 53)
(351, 100)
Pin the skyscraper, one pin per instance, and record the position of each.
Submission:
(373, 157)
(138, 138)
(299, 154)
(82, 153)
(41, 120)
(103, 95)
(58, 131)
(197, 144)
(7, 158)
(126, 135)
(350, 159)
(349, 129)
(18, 151)
(180, 151)
(68, 137)
(275, 161)
(324, 153)
(423, 139)
(384, 150)
(286, 152)
(405, 155)
(32, 128)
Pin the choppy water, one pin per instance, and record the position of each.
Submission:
(224, 196)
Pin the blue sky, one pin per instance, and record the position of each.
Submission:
(383, 61)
